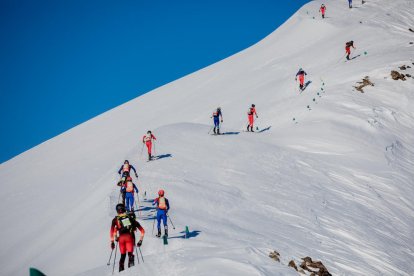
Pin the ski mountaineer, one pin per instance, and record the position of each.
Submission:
(128, 188)
(162, 209)
(126, 170)
(348, 46)
(322, 10)
(250, 114)
(301, 74)
(216, 119)
(147, 140)
(122, 231)
(350, 4)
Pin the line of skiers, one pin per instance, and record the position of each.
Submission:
(125, 224)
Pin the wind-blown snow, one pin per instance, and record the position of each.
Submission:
(337, 185)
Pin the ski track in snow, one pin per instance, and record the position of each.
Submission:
(335, 184)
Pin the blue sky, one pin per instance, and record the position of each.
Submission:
(64, 62)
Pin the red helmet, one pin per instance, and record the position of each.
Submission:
(161, 192)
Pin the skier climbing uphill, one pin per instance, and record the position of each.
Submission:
(216, 119)
(122, 231)
(250, 115)
(322, 10)
(162, 209)
(301, 74)
(129, 187)
(147, 140)
(126, 170)
(348, 46)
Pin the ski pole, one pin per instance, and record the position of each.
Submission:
(171, 222)
(155, 152)
(153, 224)
(110, 257)
(136, 251)
(113, 266)
(142, 257)
(142, 149)
(120, 192)
(210, 130)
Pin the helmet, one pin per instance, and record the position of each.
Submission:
(300, 69)
(323, 5)
(149, 131)
(161, 192)
(126, 161)
(120, 208)
(219, 108)
(253, 105)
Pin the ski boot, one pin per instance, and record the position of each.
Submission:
(166, 231)
(131, 260)
(214, 130)
(121, 263)
(149, 157)
(159, 233)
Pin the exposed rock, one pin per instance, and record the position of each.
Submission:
(292, 264)
(316, 268)
(365, 82)
(274, 255)
(411, 30)
(403, 67)
(397, 76)
(408, 75)
(408, 66)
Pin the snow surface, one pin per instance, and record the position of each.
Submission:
(335, 184)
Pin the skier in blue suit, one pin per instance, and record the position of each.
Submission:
(217, 115)
(162, 209)
(350, 3)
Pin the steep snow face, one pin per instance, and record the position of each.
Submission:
(333, 181)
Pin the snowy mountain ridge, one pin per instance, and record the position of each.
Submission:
(333, 181)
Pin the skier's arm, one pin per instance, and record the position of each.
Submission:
(155, 202)
(135, 188)
(153, 137)
(120, 169)
(112, 232)
(132, 167)
(168, 204)
(141, 229)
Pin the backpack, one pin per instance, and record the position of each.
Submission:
(125, 224)
(129, 187)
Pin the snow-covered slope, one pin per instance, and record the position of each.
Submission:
(335, 184)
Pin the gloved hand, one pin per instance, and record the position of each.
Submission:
(136, 175)
(139, 243)
(221, 120)
(116, 238)
(112, 245)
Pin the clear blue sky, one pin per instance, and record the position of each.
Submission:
(64, 62)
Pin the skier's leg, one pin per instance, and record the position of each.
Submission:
(131, 201)
(127, 199)
(122, 250)
(122, 262)
(164, 221)
(159, 223)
